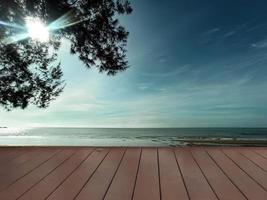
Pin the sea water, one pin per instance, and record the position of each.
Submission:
(119, 136)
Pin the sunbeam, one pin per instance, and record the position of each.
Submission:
(13, 25)
(16, 38)
(35, 28)
(61, 21)
(65, 21)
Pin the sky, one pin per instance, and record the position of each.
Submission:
(193, 64)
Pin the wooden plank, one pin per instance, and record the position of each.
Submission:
(222, 186)
(171, 180)
(247, 185)
(54, 179)
(19, 160)
(254, 157)
(147, 183)
(6, 150)
(123, 183)
(25, 156)
(158, 174)
(69, 189)
(14, 174)
(197, 186)
(261, 151)
(255, 172)
(9, 154)
(98, 184)
(21, 186)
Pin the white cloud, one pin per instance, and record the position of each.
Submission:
(211, 31)
(231, 33)
(143, 87)
(260, 44)
(176, 71)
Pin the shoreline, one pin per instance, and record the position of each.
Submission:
(223, 141)
(148, 142)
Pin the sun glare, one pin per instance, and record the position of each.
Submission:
(36, 29)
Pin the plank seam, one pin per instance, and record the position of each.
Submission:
(160, 193)
(135, 180)
(265, 158)
(34, 155)
(19, 153)
(70, 174)
(225, 174)
(54, 154)
(91, 175)
(114, 173)
(245, 172)
(175, 156)
(47, 174)
(10, 161)
(190, 151)
(252, 160)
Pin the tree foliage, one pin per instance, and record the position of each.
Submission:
(30, 72)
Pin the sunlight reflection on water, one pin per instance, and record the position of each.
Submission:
(122, 137)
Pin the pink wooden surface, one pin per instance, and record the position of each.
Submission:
(195, 173)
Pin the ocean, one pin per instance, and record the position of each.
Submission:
(123, 136)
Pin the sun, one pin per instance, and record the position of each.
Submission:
(36, 29)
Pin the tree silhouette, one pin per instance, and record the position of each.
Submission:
(30, 72)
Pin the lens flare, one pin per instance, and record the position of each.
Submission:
(12, 25)
(37, 30)
(65, 21)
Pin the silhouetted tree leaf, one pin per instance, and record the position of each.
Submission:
(30, 72)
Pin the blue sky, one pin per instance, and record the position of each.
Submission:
(193, 64)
